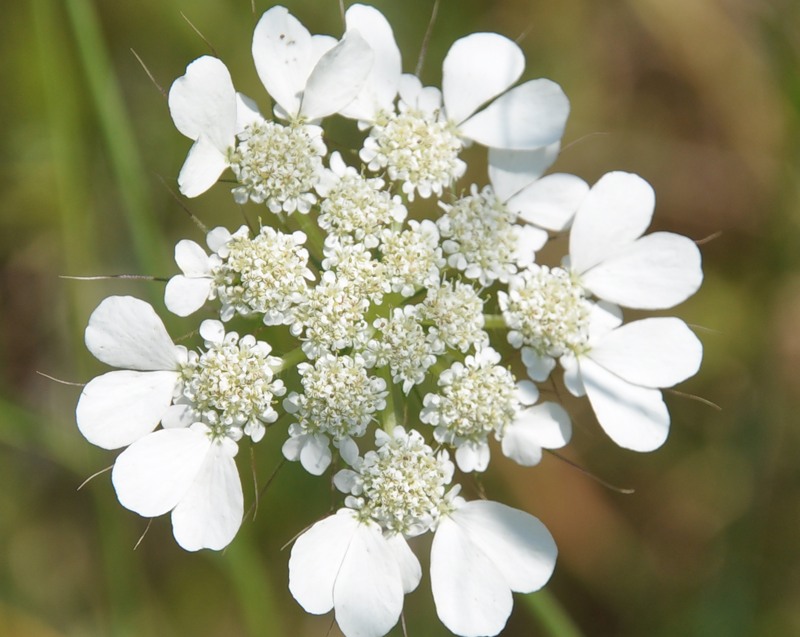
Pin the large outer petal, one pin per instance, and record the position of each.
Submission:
(337, 78)
(120, 407)
(316, 558)
(380, 88)
(471, 594)
(616, 212)
(528, 116)
(476, 69)
(191, 258)
(657, 271)
(407, 562)
(203, 166)
(210, 513)
(124, 331)
(155, 472)
(512, 170)
(203, 102)
(517, 543)
(653, 352)
(185, 295)
(368, 593)
(284, 55)
(550, 202)
(543, 426)
(634, 417)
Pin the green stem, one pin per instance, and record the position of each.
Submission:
(551, 614)
(494, 321)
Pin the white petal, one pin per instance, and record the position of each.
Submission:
(380, 88)
(210, 513)
(517, 543)
(191, 258)
(126, 332)
(203, 102)
(544, 426)
(550, 202)
(634, 417)
(603, 317)
(217, 238)
(529, 116)
(537, 366)
(202, 168)
(338, 77)
(407, 562)
(284, 56)
(368, 593)
(155, 472)
(527, 392)
(185, 295)
(572, 375)
(315, 456)
(529, 240)
(512, 170)
(476, 69)
(212, 331)
(316, 558)
(179, 416)
(653, 352)
(473, 456)
(657, 271)
(471, 595)
(120, 407)
(247, 112)
(616, 212)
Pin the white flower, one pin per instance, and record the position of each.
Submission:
(119, 407)
(416, 145)
(480, 397)
(346, 563)
(203, 106)
(456, 310)
(402, 485)
(405, 346)
(231, 386)
(339, 401)
(309, 77)
(190, 472)
(412, 258)
(483, 551)
(482, 238)
(355, 206)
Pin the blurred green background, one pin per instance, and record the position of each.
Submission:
(700, 97)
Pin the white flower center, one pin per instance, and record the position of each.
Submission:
(331, 317)
(278, 165)
(405, 346)
(456, 310)
(412, 257)
(547, 310)
(339, 398)
(232, 384)
(358, 207)
(480, 236)
(417, 148)
(264, 275)
(475, 398)
(402, 485)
